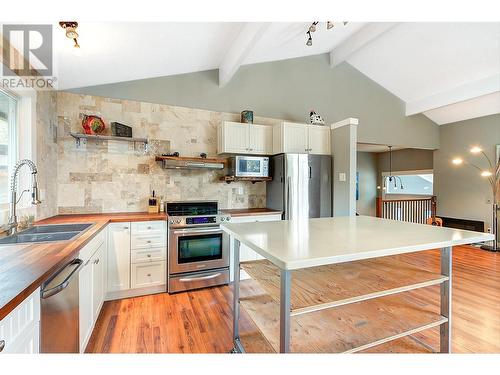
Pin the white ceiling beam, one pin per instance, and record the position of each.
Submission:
(468, 91)
(358, 40)
(241, 47)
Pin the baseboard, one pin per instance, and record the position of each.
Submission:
(136, 292)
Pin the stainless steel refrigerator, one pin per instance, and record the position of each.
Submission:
(301, 186)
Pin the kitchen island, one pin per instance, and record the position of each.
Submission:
(316, 269)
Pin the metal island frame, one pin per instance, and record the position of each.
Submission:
(310, 243)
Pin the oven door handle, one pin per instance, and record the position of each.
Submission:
(188, 279)
(195, 231)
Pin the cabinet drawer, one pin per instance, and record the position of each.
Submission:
(149, 227)
(148, 274)
(148, 241)
(148, 255)
(89, 249)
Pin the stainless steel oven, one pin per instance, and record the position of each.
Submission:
(198, 250)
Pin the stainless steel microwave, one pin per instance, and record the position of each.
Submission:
(249, 166)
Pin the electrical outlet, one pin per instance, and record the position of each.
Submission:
(342, 177)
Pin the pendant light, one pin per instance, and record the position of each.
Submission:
(392, 178)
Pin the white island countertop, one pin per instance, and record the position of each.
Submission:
(315, 242)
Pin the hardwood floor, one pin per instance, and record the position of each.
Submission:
(201, 321)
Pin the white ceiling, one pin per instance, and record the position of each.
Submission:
(417, 61)
(447, 71)
(115, 52)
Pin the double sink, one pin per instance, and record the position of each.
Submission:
(46, 233)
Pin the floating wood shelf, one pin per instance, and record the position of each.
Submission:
(85, 137)
(253, 180)
(188, 162)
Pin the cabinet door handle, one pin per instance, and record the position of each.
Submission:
(149, 255)
(125, 227)
(2, 345)
(149, 227)
(96, 261)
(149, 275)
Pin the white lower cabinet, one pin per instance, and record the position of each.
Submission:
(91, 286)
(118, 265)
(20, 329)
(247, 254)
(136, 258)
(148, 274)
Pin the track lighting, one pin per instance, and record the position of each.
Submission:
(309, 40)
(313, 28)
(70, 31)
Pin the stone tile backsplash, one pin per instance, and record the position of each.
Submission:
(110, 176)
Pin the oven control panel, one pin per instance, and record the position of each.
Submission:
(187, 221)
(201, 220)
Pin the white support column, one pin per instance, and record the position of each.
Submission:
(344, 139)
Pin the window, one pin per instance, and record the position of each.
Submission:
(8, 143)
(412, 184)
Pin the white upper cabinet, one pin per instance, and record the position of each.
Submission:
(238, 138)
(289, 137)
(319, 140)
(260, 139)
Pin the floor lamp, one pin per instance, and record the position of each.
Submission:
(492, 175)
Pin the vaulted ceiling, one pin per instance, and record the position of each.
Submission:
(447, 71)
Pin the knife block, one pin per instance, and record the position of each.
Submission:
(154, 205)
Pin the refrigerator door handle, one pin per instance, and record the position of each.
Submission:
(287, 216)
(310, 172)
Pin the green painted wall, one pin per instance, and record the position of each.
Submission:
(288, 89)
(461, 192)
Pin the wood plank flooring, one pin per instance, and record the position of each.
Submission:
(201, 321)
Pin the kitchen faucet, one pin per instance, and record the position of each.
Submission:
(11, 226)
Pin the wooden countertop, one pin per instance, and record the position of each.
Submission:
(24, 267)
(250, 211)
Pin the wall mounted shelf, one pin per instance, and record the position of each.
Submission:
(80, 136)
(186, 162)
(253, 180)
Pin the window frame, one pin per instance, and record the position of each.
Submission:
(13, 142)
(403, 173)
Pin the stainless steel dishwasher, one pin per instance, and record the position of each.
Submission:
(60, 310)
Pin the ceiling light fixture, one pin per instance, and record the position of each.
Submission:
(309, 40)
(313, 27)
(392, 178)
(70, 29)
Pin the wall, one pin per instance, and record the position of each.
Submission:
(288, 89)
(344, 162)
(460, 191)
(114, 177)
(46, 152)
(367, 169)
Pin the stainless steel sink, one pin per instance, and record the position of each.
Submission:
(46, 233)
